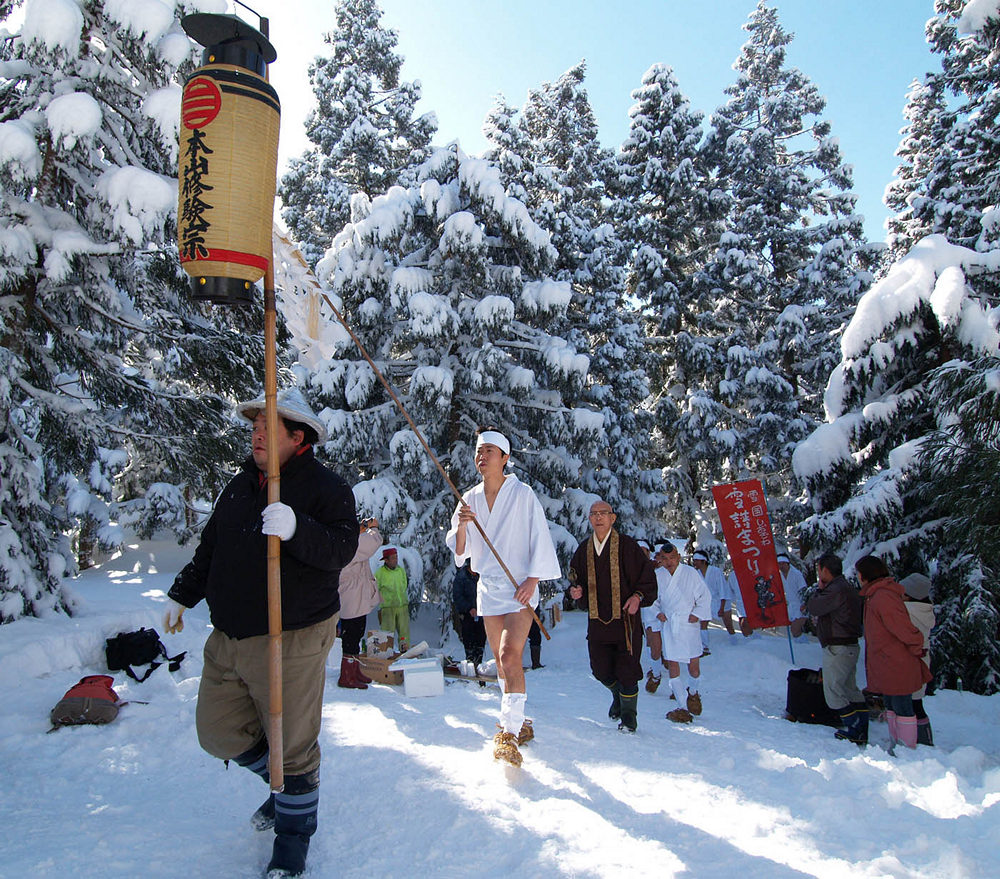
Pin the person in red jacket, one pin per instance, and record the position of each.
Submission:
(893, 649)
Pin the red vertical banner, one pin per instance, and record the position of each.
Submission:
(747, 529)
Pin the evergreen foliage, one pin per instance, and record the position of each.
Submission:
(112, 381)
(447, 282)
(787, 269)
(550, 155)
(669, 212)
(909, 449)
(364, 133)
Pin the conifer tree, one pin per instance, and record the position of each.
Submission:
(786, 272)
(113, 383)
(904, 464)
(552, 154)
(365, 135)
(448, 284)
(668, 212)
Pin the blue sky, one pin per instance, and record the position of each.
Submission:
(861, 54)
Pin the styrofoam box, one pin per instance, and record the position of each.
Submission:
(421, 677)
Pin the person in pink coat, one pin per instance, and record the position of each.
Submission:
(358, 596)
(893, 649)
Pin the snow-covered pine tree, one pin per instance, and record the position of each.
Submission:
(923, 137)
(903, 411)
(667, 212)
(551, 153)
(787, 270)
(957, 472)
(365, 135)
(911, 408)
(447, 283)
(104, 366)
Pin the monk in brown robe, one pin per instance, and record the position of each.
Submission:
(611, 576)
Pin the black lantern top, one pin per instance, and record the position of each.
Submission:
(228, 39)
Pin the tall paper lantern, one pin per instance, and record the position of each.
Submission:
(228, 160)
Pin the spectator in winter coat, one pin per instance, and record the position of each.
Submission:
(394, 614)
(358, 595)
(471, 628)
(917, 600)
(319, 535)
(837, 611)
(611, 577)
(514, 522)
(893, 649)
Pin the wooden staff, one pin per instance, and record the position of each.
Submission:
(430, 452)
(275, 740)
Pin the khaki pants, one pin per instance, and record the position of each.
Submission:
(233, 699)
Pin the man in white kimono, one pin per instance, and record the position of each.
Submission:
(795, 593)
(718, 589)
(513, 520)
(683, 603)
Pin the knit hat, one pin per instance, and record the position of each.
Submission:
(916, 585)
(291, 405)
(387, 552)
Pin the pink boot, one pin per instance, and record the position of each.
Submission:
(890, 719)
(906, 729)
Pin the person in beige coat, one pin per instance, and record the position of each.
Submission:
(358, 596)
(920, 607)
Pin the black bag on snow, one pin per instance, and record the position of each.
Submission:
(804, 702)
(137, 648)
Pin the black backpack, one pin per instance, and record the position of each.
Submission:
(137, 648)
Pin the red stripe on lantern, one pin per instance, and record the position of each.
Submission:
(243, 259)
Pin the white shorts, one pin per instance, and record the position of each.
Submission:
(497, 599)
(681, 640)
(649, 620)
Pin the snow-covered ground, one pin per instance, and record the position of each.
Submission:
(410, 787)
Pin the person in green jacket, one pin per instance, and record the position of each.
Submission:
(394, 613)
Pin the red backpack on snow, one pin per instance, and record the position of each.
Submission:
(92, 700)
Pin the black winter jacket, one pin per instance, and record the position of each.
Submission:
(838, 610)
(229, 568)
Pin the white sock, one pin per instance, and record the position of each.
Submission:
(704, 639)
(694, 685)
(677, 688)
(512, 712)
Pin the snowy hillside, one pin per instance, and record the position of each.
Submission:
(410, 788)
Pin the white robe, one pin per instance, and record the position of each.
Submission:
(717, 587)
(795, 589)
(517, 528)
(680, 596)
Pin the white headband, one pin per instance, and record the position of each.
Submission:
(495, 438)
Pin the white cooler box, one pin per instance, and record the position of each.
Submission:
(422, 676)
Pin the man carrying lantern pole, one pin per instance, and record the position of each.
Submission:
(284, 517)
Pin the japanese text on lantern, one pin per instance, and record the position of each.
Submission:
(193, 222)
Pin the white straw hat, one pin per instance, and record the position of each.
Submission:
(291, 405)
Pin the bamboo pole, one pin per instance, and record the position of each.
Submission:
(275, 738)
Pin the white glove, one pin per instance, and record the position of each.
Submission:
(279, 520)
(173, 619)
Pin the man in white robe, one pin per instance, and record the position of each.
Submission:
(513, 520)
(718, 589)
(795, 587)
(683, 603)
